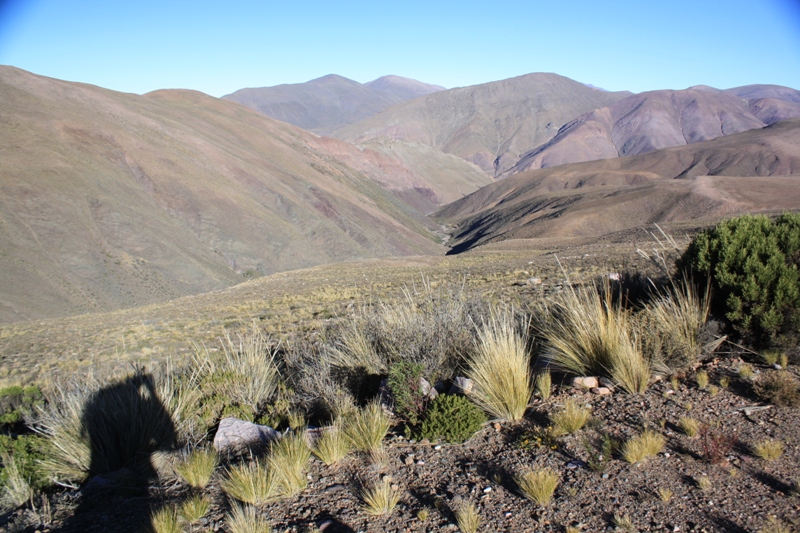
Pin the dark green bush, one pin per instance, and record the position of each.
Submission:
(409, 398)
(28, 452)
(752, 265)
(452, 418)
(15, 400)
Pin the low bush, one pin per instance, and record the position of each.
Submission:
(751, 263)
(16, 402)
(452, 418)
(500, 369)
(405, 384)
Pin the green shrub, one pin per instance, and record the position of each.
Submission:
(752, 265)
(409, 398)
(778, 387)
(16, 400)
(27, 451)
(452, 418)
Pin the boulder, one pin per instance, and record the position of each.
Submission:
(461, 385)
(237, 436)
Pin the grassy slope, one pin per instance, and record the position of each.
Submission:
(110, 200)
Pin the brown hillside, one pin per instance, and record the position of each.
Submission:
(489, 124)
(749, 171)
(110, 200)
(659, 119)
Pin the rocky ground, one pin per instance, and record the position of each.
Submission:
(744, 491)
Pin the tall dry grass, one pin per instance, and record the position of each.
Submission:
(500, 368)
(588, 333)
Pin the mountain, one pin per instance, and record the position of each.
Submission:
(661, 119)
(110, 200)
(489, 125)
(749, 171)
(330, 102)
(402, 88)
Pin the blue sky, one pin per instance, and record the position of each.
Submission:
(218, 47)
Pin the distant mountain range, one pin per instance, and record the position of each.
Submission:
(111, 200)
(331, 102)
(490, 124)
(661, 119)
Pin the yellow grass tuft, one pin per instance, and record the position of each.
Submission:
(544, 384)
(689, 426)
(572, 417)
(500, 369)
(639, 448)
(332, 446)
(380, 499)
(246, 520)
(467, 518)
(165, 520)
(194, 508)
(287, 462)
(251, 482)
(538, 485)
(366, 429)
(768, 450)
(198, 467)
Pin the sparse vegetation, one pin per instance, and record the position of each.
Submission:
(251, 482)
(570, 418)
(246, 519)
(198, 467)
(778, 387)
(452, 418)
(639, 448)
(774, 525)
(717, 444)
(768, 450)
(538, 485)
(689, 426)
(367, 428)
(332, 446)
(468, 518)
(589, 334)
(381, 498)
(544, 384)
(500, 369)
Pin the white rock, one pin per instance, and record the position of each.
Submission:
(601, 391)
(239, 435)
(461, 385)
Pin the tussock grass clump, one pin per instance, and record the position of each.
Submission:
(538, 485)
(500, 369)
(639, 448)
(245, 519)
(165, 520)
(16, 490)
(702, 379)
(703, 483)
(623, 522)
(768, 450)
(669, 327)
(778, 387)
(332, 446)
(198, 467)
(251, 482)
(367, 428)
(96, 427)
(572, 417)
(380, 498)
(689, 426)
(544, 384)
(664, 494)
(287, 462)
(194, 508)
(468, 518)
(589, 334)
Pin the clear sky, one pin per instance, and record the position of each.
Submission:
(218, 47)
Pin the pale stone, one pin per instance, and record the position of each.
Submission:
(461, 385)
(239, 435)
(601, 391)
(585, 382)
